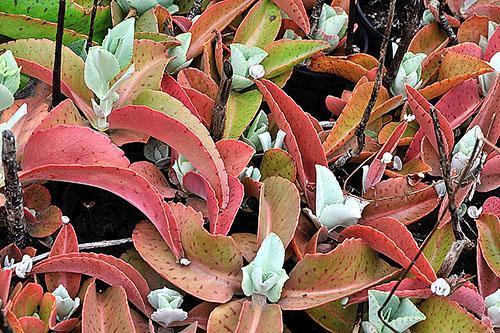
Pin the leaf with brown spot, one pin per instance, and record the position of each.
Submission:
(428, 39)
(235, 154)
(278, 163)
(224, 318)
(488, 226)
(247, 244)
(472, 29)
(195, 79)
(259, 318)
(340, 66)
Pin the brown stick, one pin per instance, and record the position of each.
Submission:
(412, 20)
(451, 258)
(14, 205)
(349, 44)
(445, 24)
(57, 96)
(93, 14)
(314, 19)
(360, 130)
(219, 111)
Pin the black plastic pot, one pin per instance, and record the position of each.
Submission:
(309, 89)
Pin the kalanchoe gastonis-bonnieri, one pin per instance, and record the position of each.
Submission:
(493, 308)
(65, 305)
(143, 6)
(410, 72)
(246, 64)
(401, 314)
(10, 79)
(179, 54)
(251, 172)
(9, 125)
(181, 167)
(333, 208)
(167, 303)
(104, 63)
(464, 148)
(332, 26)
(258, 136)
(265, 275)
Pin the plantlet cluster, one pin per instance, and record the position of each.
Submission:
(242, 210)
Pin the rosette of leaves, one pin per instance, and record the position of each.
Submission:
(401, 314)
(410, 72)
(333, 208)
(243, 58)
(258, 136)
(143, 6)
(104, 63)
(10, 79)
(167, 304)
(332, 26)
(464, 149)
(179, 54)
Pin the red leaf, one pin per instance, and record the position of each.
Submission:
(170, 86)
(236, 154)
(75, 145)
(109, 269)
(492, 206)
(65, 242)
(125, 183)
(204, 105)
(155, 177)
(490, 175)
(493, 45)
(184, 133)
(296, 11)
(107, 312)
(64, 113)
(194, 78)
(5, 278)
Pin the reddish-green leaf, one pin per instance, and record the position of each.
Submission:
(334, 317)
(321, 278)
(224, 318)
(155, 177)
(195, 79)
(438, 246)
(241, 109)
(278, 163)
(488, 226)
(259, 318)
(214, 273)
(25, 303)
(296, 11)
(235, 154)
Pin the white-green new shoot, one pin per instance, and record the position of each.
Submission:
(333, 208)
(65, 305)
(102, 66)
(167, 303)
(410, 72)
(332, 26)
(10, 79)
(245, 61)
(265, 275)
(178, 54)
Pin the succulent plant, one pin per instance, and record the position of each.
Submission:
(464, 148)
(258, 126)
(143, 6)
(65, 305)
(493, 308)
(167, 304)
(104, 63)
(181, 167)
(243, 59)
(10, 79)
(409, 72)
(251, 172)
(179, 54)
(401, 314)
(333, 208)
(265, 274)
(332, 26)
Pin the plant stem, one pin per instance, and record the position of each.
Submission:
(195, 9)
(219, 111)
(93, 14)
(412, 21)
(57, 97)
(451, 258)
(14, 204)
(314, 19)
(349, 44)
(445, 24)
(360, 130)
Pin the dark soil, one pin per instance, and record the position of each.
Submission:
(377, 13)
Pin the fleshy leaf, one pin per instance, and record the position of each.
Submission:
(279, 209)
(106, 312)
(490, 175)
(334, 317)
(277, 162)
(428, 39)
(259, 318)
(235, 154)
(488, 226)
(241, 109)
(353, 266)
(209, 277)
(224, 318)
(296, 11)
(194, 78)
(351, 68)
(155, 177)
(438, 246)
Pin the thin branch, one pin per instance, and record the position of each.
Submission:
(195, 9)
(412, 21)
(93, 14)
(360, 131)
(445, 24)
(219, 111)
(314, 19)
(349, 44)
(451, 258)
(14, 204)
(57, 97)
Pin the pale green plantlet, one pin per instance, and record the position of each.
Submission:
(242, 58)
(181, 167)
(332, 26)
(10, 79)
(179, 54)
(409, 72)
(167, 303)
(250, 172)
(265, 275)
(143, 6)
(333, 208)
(258, 126)
(401, 314)
(464, 148)
(493, 308)
(427, 17)
(9, 125)
(65, 305)
(104, 63)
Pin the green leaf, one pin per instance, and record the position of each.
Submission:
(120, 41)
(448, 316)
(260, 26)
(6, 98)
(279, 163)
(439, 245)
(284, 54)
(178, 54)
(334, 317)
(488, 226)
(241, 109)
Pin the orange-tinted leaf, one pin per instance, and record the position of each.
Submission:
(235, 154)
(472, 29)
(428, 39)
(259, 318)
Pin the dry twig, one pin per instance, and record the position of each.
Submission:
(219, 111)
(57, 96)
